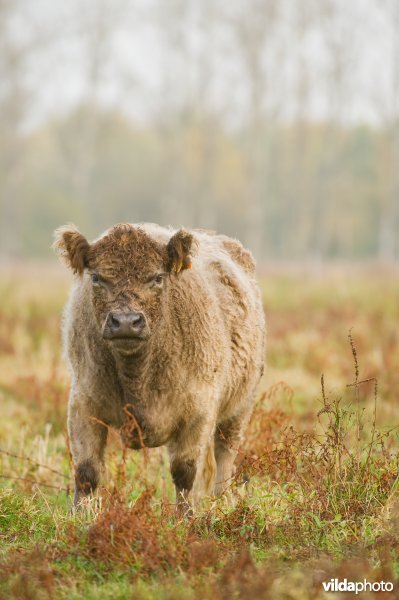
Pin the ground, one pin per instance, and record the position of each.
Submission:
(315, 495)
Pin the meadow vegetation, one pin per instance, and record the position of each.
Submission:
(315, 494)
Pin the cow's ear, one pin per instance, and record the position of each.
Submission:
(180, 248)
(72, 246)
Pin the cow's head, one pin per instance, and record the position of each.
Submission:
(127, 274)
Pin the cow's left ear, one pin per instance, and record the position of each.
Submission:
(180, 248)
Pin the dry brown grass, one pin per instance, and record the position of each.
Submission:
(314, 495)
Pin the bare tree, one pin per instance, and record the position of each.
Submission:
(173, 21)
(93, 29)
(205, 116)
(14, 100)
(253, 25)
(303, 18)
(388, 109)
(337, 28)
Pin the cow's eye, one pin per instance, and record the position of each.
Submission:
(158, 279)
(95, 279)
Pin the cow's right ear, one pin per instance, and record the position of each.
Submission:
(72, 246)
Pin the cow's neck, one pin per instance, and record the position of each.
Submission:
(140, 372)
(130, 368)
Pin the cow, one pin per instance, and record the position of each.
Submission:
(164, 334)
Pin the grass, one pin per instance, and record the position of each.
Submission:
(315, 495)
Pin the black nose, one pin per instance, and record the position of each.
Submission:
(124, 324)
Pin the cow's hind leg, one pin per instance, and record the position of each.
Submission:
(209, 469)
(87, 439)
(228, 436)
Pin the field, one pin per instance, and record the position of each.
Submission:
(315, 494)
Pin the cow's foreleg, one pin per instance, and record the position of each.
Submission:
(87, 438)
(186, 452)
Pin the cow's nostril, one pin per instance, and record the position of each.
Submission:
(114, 322)
(137, 319)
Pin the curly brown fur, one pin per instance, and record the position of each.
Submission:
(193, 368)
(240, 254)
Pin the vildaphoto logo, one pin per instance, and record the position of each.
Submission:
(334, 585)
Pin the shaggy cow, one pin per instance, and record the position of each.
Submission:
(164, 333)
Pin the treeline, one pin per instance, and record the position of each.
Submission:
(243, 116)
(321, 189)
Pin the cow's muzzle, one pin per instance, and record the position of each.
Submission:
(125, 326)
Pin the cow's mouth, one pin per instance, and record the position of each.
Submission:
(127, 345)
